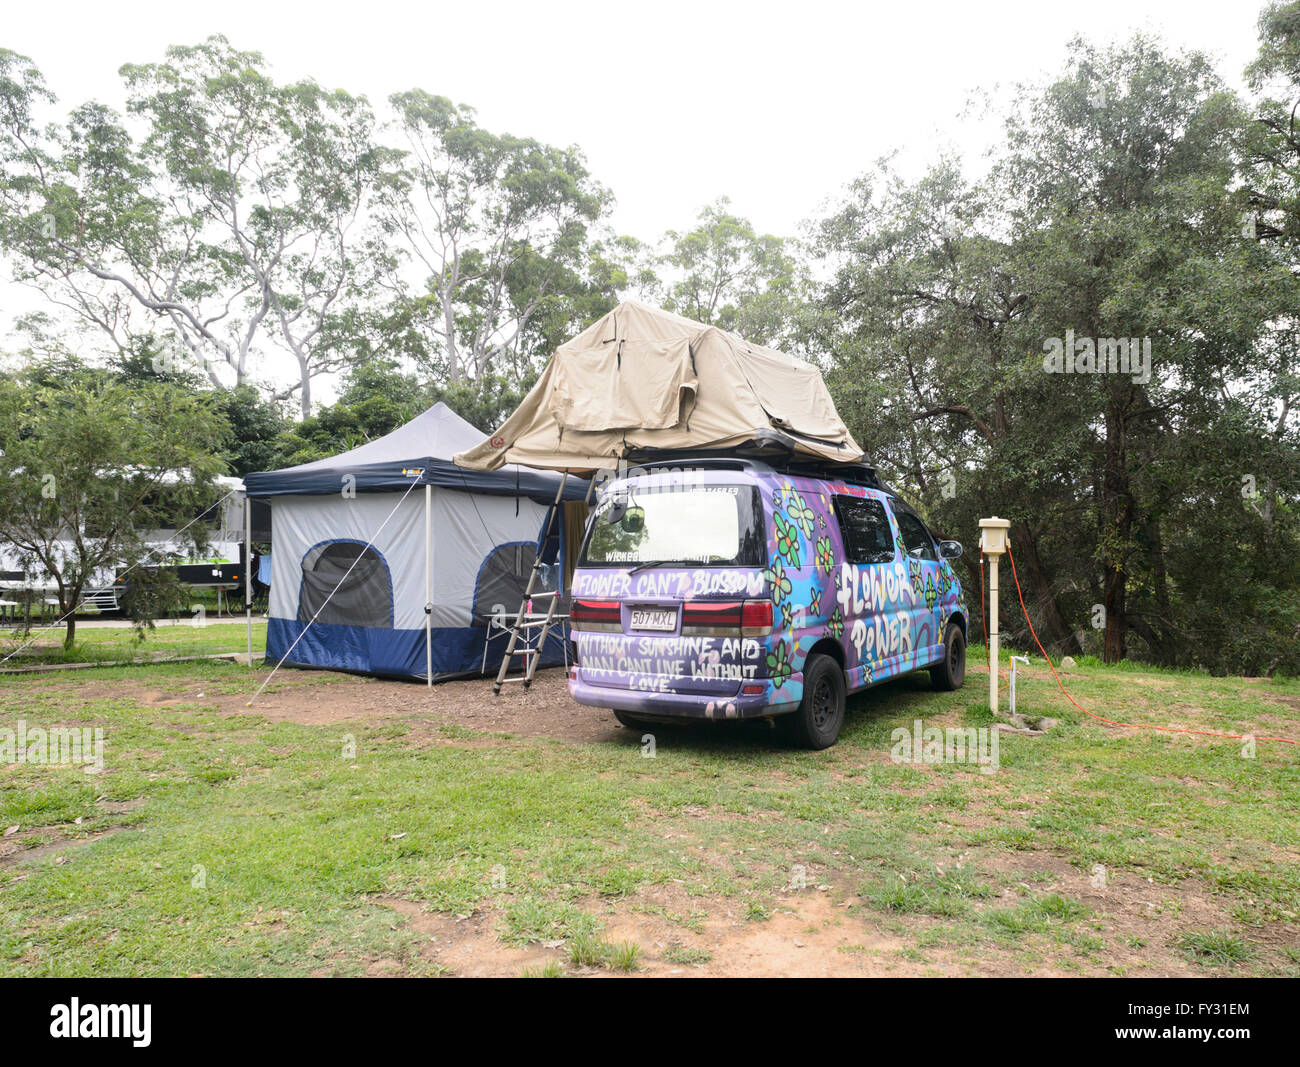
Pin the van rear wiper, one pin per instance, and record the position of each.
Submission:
(652, 563)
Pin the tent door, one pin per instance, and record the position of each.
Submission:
(346, 583)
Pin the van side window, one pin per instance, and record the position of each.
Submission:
(865, 527)
(916, 539)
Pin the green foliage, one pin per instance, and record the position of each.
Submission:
(233, 225)
(726, 274)
(90, 466)
(1272, 143)
(1111, 213)
(499, 228)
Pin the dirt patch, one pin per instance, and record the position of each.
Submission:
(467, 947)
(17, 848)
(28, 843)
(809, 934)
(814, 937)
(545, 709)
(1139, 919)
(827, 932)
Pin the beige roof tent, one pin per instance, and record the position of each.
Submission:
(641, 381)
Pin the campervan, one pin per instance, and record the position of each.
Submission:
(725, 588)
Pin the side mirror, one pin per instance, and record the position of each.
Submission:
(616, 509)
(949, 549)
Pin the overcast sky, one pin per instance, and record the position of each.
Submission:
(776, 105)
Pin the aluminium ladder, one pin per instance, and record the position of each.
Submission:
(523, 624)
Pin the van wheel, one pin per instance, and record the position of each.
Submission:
(631, 722)
(820, 717)
(950, 672)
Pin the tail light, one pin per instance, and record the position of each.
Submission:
(596, 615)
(727, 618)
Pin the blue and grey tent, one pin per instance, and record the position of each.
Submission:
(363, 541)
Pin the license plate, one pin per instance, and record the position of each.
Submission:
(644, 619)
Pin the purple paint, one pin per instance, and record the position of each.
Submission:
(674, 564)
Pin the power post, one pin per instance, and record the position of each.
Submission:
(993, 542)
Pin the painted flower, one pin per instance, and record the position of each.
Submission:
(786, 619)
(786, 534)
(801, 514)
(781, 586)
(825, 554)
(836, 625)
(815, 601)
(931, 593)
(778, 664)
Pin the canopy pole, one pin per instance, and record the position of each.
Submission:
(428, 585)
(248, 574)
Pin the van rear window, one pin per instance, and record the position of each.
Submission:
(694, 526)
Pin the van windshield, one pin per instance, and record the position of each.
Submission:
(697, 526)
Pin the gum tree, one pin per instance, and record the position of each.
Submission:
(723, 272)
(493, 232)
(234, 226)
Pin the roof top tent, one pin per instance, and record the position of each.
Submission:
(363, 541)
(644, 385)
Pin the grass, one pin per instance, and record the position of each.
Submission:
(529, 920)
(588, 950)
(685, 954)
(298, 847)
(1035, 915)
(114, 644)
(943, 894)
(1216, 946)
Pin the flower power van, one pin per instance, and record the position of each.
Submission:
(729, 589)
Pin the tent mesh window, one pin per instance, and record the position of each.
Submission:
(364, 597)
(503, 578)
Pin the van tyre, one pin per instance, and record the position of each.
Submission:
(949, 673)
(820, 717)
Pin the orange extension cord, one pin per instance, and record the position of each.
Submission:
(1066, 692)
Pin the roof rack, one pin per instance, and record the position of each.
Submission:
(760, 456)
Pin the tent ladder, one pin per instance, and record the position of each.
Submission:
(523, 626)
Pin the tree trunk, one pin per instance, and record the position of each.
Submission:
(70, 638)
(1057, 633)
(304, 395)
(1116, 523)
